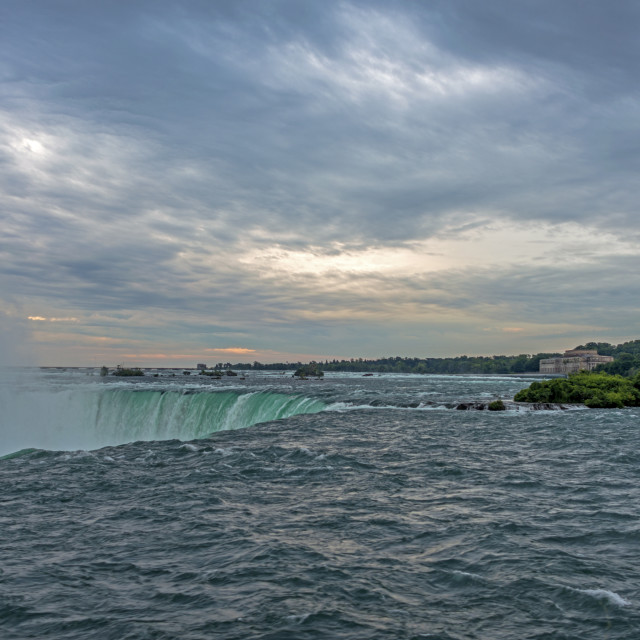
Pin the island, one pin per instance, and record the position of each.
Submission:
(595, 390)
(122, 371)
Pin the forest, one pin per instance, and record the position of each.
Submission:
(626, 363)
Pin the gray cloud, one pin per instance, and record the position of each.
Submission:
(145, 146)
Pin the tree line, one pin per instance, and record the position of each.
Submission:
(627, 363)
(522, 363)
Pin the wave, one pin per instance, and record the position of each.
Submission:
(604, 594)
(91, 419)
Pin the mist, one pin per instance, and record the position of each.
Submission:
(16, 348)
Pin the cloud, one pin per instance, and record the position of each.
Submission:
(279, 173)
(231, 350)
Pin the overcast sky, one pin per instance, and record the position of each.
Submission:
(204, 181)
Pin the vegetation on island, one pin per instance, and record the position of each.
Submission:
(121, 371)
(308, 371)
(597, 390)
(211, 374)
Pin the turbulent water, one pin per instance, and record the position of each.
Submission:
(353, 507)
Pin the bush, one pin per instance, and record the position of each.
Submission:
(497, 405)
(595, 390)
(602, 400)
(308, 370)
(128, 372)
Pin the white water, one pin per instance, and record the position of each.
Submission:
(94, 416)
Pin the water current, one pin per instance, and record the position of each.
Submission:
(352, 507)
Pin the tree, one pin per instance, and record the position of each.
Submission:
(309, 370)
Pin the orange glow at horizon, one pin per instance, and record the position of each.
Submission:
(238, 350)
(159, 356)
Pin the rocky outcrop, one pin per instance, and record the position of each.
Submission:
(517, 406)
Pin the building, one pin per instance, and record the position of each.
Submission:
(576, 360)
(201, 367)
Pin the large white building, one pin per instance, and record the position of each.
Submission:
(576, 360)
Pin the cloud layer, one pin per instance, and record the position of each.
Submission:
(336, 179)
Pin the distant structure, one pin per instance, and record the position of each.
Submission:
(576, 360)
(201, 367)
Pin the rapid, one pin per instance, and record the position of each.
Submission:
(352, 507)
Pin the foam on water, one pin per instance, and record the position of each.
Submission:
(604, 594)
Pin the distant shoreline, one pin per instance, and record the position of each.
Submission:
(528, 374)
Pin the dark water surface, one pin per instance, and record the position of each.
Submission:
(372, 515)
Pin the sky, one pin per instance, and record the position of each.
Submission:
(283, 180)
